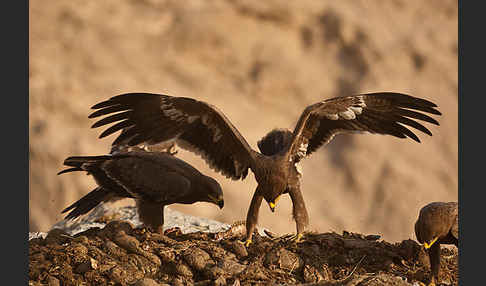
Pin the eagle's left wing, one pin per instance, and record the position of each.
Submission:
(194, 125)
(381, 113)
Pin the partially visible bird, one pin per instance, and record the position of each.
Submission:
(438, 223)
(153, 179)
(201, 128)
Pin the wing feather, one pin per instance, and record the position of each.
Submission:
(125, 136)
(156, 177)
(416, 115)
(115, 128)
(413, 124)
(380, 113)
(104, 111)
(110, 119)
(195, 126)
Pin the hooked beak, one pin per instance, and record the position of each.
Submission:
(272, 206)
(429, 245)
(218, 201)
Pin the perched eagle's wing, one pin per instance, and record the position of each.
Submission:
(195, 126)
(147, 179)
(107, 190)
(93, 165)
(381, 113)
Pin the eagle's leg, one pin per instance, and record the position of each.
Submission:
(299, 212)
(151, 215)
(434, 256)
(252, 216)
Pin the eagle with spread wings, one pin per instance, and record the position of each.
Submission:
(200, 127)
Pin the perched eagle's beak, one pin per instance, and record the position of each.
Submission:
(218, 201)
(429, 245)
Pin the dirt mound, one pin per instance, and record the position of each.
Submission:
(119, 254)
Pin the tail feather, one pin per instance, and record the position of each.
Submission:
(76, 162)
(87, 203)
(70, 170)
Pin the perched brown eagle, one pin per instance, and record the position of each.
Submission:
(153, 179)
(438, 223)
(201, 128)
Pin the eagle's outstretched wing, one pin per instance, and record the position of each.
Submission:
(194, 125)
(381, 113)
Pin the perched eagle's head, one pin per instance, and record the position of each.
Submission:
(213, 192)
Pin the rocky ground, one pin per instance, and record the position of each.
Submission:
(121, 252)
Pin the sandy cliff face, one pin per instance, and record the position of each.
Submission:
(261, 63)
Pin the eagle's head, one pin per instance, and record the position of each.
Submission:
(429, 228)
(213, 192)
(275, 141)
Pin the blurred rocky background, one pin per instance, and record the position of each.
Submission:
(261, 63)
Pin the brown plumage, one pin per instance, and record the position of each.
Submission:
(153, 179)
(200, 127)
(438, 223)
(165, 147)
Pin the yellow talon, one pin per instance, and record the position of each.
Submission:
(248, 242)
(429, 245)
(297, 238)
